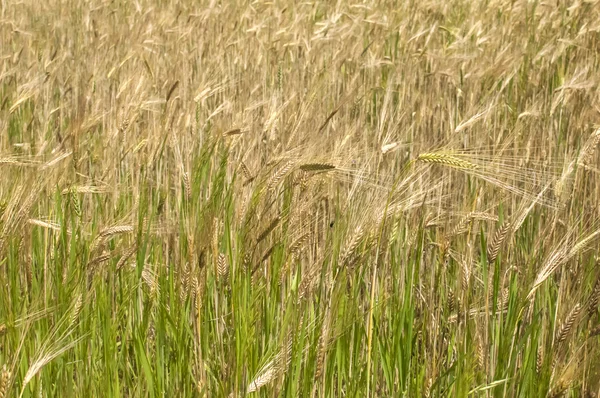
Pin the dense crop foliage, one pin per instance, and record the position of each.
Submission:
(299, 199)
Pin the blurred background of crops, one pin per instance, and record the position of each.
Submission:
(299, 199)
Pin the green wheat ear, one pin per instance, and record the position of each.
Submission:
(449, 160)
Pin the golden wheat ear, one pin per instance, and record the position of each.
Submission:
(4, 381)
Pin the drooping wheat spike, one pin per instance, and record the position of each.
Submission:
(299, 243)
(116, 230)
(231, 132)
(24, 207)
(462, 226)
(272, 369)
(98, 244)
(317, 166)
(265, 377)
(151, 280)
(266, 254)
(91, 266)
(274, 222)
(301, 179)
(279, 175)
(4, 381)
(496, 243)
(54, 346)
(472, 120)
(446, 159)
(594, 299)
(283, 273)
(308, 279)
(585, 156)
(554, 260)
(125, 257)
(582, 244)
(563, 186)
(104, 235)
(245, 171)
(565, 329)
(559, 257)
(558, 390)
(347, 257)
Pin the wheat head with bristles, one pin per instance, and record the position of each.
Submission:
(4, 381)
(447, 159)
(496, 243)
(567, 325)
(594, 299)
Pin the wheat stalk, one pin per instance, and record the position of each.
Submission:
(200, 287)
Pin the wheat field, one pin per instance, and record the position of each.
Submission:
(299, 199)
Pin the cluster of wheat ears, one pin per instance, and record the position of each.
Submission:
(299, 199)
